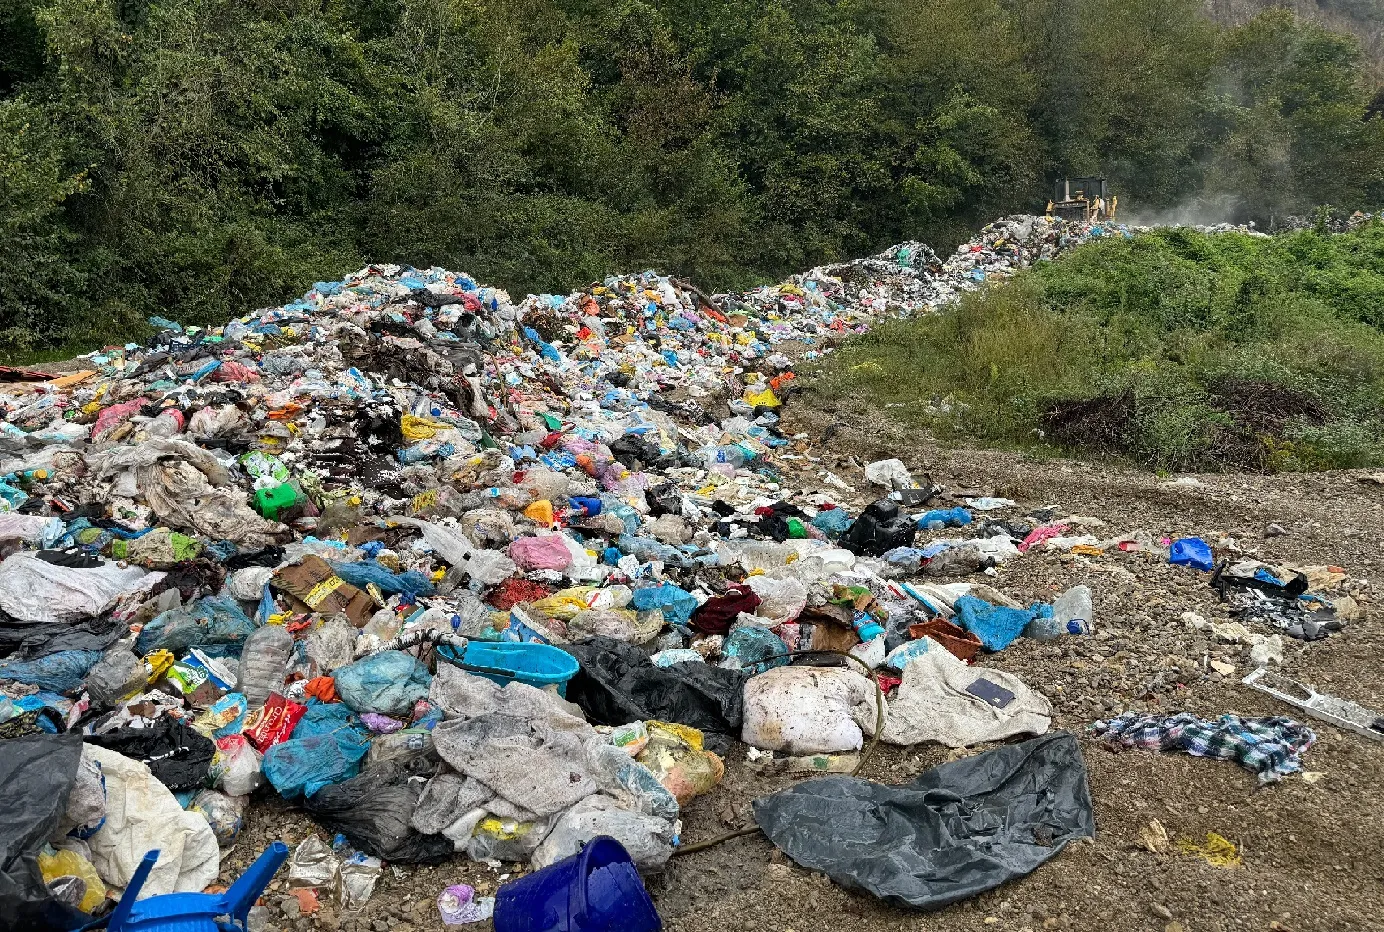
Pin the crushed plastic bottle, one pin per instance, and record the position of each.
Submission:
(262, 663)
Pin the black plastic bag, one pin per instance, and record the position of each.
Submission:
(36, 776)
(30, 640)
(373, 812)
(880, 528)
(177, 756)
(958, 830)
(618, 684)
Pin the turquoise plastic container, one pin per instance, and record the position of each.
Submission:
(538, 665)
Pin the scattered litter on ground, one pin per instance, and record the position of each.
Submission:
(457, 575)
(1216, 851)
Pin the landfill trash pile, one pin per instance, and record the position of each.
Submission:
(463, 575)
(909, 278)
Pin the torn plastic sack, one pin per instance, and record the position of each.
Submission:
(36, 776)
(809, 710)
(73, 878)
(216, 624)
(676, 604)
(33, 589)
(486, 567)
(674, 754)
(142, 814)
(225, 814)
(237, 767)
(389, 682)
(648, 839)
(943, 699)
(178, 756)
(373, 812)
(618, 684)
(780, 600)
(958, 830)
(753, 649)
(327, 747)
(996, 625)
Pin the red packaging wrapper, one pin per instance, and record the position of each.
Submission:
(273, 723)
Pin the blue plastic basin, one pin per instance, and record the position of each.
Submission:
(538, 665)
(595, 890)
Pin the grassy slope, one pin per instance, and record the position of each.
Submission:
(1176, 349)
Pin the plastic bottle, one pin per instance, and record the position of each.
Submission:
(866, 626)
(262, 663)
(734, 454)
(1072, 610)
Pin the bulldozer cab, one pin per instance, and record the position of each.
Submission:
(1081, 199)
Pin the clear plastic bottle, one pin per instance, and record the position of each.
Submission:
(262, 663)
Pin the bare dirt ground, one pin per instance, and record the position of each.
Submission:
(1311, 850)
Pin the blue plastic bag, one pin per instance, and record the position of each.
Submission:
(327, 747)
(758, 649)
(63, 672)
(1193, 552)
(365, 572)
(832, 522)
(947, 517)
(677, 604)
(389, 682)
(995, 625)
(215, 624)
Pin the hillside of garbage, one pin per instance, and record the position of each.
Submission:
(468, 576)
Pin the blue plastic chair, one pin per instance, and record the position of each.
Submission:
(195, 912)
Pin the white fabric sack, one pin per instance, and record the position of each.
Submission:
(36, 590)
(933, 705)
(141, 815)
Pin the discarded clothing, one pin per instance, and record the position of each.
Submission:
(1270, 747)
(942, 699)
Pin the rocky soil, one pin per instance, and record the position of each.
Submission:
(1310, 846)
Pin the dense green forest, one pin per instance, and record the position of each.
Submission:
(200, 158)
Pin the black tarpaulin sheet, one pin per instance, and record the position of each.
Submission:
(958, 830)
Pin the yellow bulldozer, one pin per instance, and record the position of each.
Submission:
(1083, 199)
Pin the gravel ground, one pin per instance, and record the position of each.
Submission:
(1310, 849)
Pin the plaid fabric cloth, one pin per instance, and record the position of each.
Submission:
(1271, 747)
